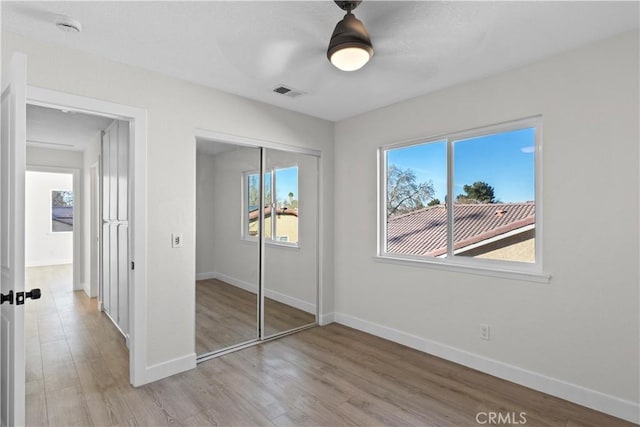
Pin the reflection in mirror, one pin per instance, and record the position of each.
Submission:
(291, 240)
(226, 259)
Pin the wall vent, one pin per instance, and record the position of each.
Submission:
(288, 91)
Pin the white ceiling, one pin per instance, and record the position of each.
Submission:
(54, 129)
(248, 48)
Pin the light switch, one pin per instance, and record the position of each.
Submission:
(176, 240)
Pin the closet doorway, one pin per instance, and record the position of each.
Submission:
(257, 243)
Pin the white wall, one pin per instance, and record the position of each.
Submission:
(205, 220)
(174, 109)
(234, 260)
(54, 158)
(577, 336)
(89, 276)
(42, 246)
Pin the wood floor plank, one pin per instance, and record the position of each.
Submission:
(36, 409)
(146, 410)
(67, 407)
(225, 409)
(108, 408)
(60, 375)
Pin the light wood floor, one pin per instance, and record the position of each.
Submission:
(73, 353)
(325, 376)
(226, 315)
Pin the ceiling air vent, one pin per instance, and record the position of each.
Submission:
(287, 91)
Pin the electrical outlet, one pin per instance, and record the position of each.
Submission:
(176, 240)
(484, 331)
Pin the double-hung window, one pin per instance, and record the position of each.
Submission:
(280, 205)
(468, 199)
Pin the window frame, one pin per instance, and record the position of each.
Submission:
(500, 268)
(245, 235)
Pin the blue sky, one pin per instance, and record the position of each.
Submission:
(505, 161)
(286, 182)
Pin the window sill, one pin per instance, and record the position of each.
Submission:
(293, 246)
(282, 244)
(528, 276)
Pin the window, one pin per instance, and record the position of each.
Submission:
(280, 205)
(490, 177)
(61, 211)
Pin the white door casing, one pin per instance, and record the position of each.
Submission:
(137, 117)
(12, 203)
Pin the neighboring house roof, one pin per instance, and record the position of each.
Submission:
(254, 214)
(424, 231)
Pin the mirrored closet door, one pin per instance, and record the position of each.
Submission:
(290, 261)
(256, 244)
(227, 255)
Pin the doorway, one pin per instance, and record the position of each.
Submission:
(68, 327)
(137, 119)
(257, 240)
(49, 210)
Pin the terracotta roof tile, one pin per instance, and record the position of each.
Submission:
(424, 232)
(254, 214)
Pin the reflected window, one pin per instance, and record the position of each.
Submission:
(280, 205)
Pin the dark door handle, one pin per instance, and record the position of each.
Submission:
(6, 298)
(33, 294)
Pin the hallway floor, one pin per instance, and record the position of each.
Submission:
(73, 354)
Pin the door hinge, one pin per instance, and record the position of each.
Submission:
(133, 265)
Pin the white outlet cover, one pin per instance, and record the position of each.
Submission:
(176, 240)
(485, 331)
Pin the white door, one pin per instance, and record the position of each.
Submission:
(12, 177)
(115, 224)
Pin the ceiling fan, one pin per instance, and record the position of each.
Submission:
(350, 46)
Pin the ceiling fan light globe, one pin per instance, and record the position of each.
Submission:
(350, 58)
(350, 46)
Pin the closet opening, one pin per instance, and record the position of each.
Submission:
(257, 216)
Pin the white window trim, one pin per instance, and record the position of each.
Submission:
(51, 231)
(496, 268)
(245, 206)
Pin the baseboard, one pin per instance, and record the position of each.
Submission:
(48, 262)
(593, 399)
(170, 367)
(86, 287)
(290, 301)
(205, 276)
(326, 318)
(249, 287)
(276, 296)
